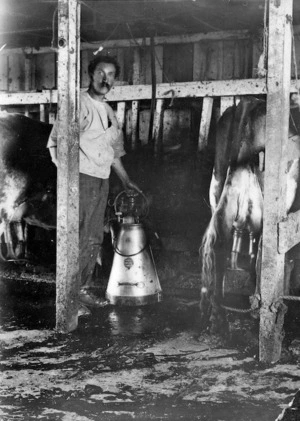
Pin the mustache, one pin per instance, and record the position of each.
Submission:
(105, 85)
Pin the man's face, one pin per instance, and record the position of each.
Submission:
(103, 78)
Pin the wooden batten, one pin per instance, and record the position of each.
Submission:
(277, 127)
(205, 122)
(67, 268)
(134, 124)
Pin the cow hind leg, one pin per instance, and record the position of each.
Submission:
(12, 241)
(20, 246)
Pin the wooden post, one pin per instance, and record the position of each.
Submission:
(205, 122)
(67, 283)
(277, 124)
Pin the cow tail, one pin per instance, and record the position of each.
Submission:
(208, 255)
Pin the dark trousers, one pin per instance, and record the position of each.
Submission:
(93, 194)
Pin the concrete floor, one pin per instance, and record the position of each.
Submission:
(143, 363)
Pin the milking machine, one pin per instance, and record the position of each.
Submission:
(133, 278)
(239, 277)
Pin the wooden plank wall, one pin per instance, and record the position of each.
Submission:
(207, 59)
(204, 60)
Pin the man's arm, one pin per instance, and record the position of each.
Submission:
(52, 144)
(123, 176)
(53, 153)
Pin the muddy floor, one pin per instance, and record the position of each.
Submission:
(142, 363)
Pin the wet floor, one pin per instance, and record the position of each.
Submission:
(142, 363)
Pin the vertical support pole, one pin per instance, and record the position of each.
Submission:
(67, 283)
(277, 125)
(121, 109)
(42, 113)
(205, 122)
(134, 122)
(157, 136)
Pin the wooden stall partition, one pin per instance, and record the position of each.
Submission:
(277, 125)
(67, 268)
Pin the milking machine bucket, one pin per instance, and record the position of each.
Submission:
(133, 278)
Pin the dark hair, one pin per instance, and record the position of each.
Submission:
(103, 59)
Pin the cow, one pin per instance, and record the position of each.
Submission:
(236, 194)
(27, 182)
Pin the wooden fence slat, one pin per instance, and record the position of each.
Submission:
(52, 117)
(42, 113)
(225, 102)
(134, 124)
(205, 122)
(121, 110)
(158, 126)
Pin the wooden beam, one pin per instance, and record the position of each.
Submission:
(289, 232)
(277, 127)
(163, 91)
(142, 42)
(67, 283)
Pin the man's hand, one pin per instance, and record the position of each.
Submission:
(130, 185)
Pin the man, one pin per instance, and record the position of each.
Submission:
(100, 148)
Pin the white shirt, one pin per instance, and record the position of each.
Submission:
(98, 144)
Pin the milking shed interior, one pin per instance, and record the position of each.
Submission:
(197, 53)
